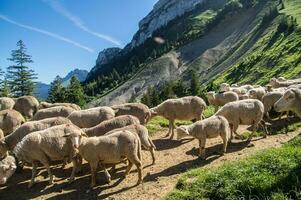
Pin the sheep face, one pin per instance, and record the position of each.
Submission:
(182, 132)
(287, 102)
(75, 137)
(224, 87)
(6, 171)
(273, 82)
(252, 94)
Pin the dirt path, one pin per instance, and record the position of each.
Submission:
(173, 158)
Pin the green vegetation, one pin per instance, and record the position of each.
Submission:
(178, 32)
(158, 123)
(19, 78)
(74, 92)
(276, 53)
(270, 174)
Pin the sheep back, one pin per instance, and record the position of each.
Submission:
(111, 124)
(139, 110)
(58, 111)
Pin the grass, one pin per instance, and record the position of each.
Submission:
(270, 174)
(293, 8)
(274, 129)
(274, 54)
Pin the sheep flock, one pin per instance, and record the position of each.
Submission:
(36, 133)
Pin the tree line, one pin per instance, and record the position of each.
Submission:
(171, 89)
(19, 80)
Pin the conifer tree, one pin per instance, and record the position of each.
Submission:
(75, 92)
(194, 84)
(20, 78)
(56, 92)
(5, 91)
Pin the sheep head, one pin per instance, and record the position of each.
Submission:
(182, 131)
(7, 169)
(290, 101)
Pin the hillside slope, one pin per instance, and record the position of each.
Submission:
(223, 41)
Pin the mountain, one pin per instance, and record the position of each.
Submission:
(235, 41)
(79, 73)
(42, 88)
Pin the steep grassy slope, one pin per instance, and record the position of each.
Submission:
(215, 31)
(276, 53)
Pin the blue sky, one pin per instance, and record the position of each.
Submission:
(65, 34)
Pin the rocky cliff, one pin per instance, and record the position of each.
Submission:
(163, 12)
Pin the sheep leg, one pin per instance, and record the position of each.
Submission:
(152, 151)
(74, 167)
(45, 162)
(253, 131)
(64, 163)
(79, 160)
(107, 174)
(33, 174)
(264, 126)
(202, 152)
(169, 128)
(93, 166)
(268, 116)
(235, 127)
(225, 143)
(172, 129)
(128, 169)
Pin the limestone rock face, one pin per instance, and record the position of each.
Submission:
(163, 12)
(106, 55)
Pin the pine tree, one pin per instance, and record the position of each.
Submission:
(194, 84)
(56, 92)
(155, 99)
(75, 92)
(180, 89)
(20, 78)
(5, 91)
(146, 99)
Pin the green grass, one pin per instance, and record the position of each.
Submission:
(274, 130)
(158, 123)
(274, 54)
(270, 174)
(293, 8)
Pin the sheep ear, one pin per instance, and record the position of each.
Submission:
(154, 113)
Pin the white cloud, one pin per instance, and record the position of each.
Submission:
(50, 34)
(79, 23)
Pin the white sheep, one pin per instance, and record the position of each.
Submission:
(240, 90)
(58, 111)
(185, 108)
(26, 105)
(268, 100)
(8, 167)
(10, 120)
(245, 112)
(111, 149)
(57, 143)
(142, 132)
(139, 110)
(220, 99)
(111, 124)
(257, 93)
(44, 105)
(277, 83)
(6, 103)
(91, 117)
(290, 101)
(211, 127)
(11, 140)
